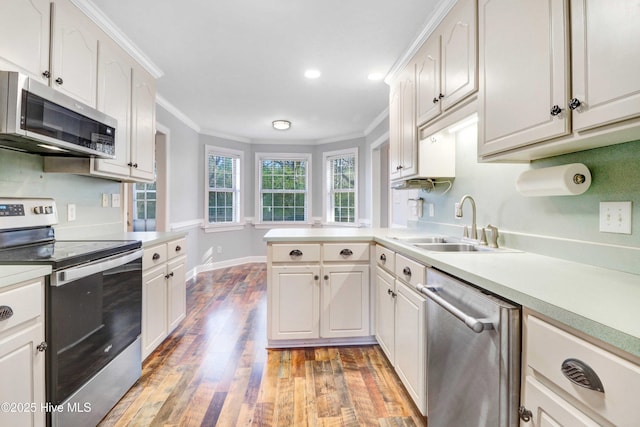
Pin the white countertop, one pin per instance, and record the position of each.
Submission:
(14, 274)
(599, 302)
(148, 238)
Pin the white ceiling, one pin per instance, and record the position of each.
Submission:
(234, 66)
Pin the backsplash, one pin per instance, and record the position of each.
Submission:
(21, 175)
(560, 226)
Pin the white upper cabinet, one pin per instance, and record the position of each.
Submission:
(447, 63)
(605, 49)
(24, 37)
(143, 116)
(74, 53)
(554, 74)
(403, 150)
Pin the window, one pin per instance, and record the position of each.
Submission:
(223, 206)
(283, 182)
(144, 207)
(340, 189)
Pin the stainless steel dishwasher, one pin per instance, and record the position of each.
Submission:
(473, 352)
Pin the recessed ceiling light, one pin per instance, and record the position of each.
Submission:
(375, 76)
(312, 74)
(281, 124)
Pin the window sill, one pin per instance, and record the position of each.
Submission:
(222, 228)
(265, 225)
(343, 224)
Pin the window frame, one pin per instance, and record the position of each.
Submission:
(327, 187)
(259, 221)
(240, 221)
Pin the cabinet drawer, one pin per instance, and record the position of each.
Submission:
(386, 258)
(296, 252)
(176, 248)
(154, 255)
(410, 271)
(549, 347)
(25, 302)
(345, 252)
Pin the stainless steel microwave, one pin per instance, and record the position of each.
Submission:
(35, 118)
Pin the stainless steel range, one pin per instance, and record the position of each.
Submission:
(93, 310)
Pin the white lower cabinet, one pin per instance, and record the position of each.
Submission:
(569, 381)
(318, 291)
(22, 357)
(401, 321)
(163, 292)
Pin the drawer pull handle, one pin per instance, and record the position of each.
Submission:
(156, 256)
(295, 252)
(525, 414)
(406, 271)
(178, 248)
(383, 258)
(5, 312)
(581, 374)
(346, 252)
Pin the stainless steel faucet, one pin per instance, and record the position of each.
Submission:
(474, 228)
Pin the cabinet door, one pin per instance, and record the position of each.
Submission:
(154, 309)
(295, 302)
(428, 99)
(409, 136)
(395, 134)
(605, 61)
(523, 57)
(24, 36)
(459, 58)
(22, 373)
(550, 410)
(143, 126)
(74, 55)
(411, 343)
(385, 312)
(176, 292)
(114, 99)
(345, 301)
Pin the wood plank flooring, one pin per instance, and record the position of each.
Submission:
(214, 370)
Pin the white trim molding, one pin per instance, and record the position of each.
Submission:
(175, 112)
(186, 225)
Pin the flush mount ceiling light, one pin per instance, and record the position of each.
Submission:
(312, 74)
(281, 124)
(375, 76)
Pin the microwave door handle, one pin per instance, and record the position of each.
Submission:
(75, 273)
(476, 325)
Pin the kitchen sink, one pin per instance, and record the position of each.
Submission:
(448, 244)
(423, 239)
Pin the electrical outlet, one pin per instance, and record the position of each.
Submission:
(615, 217)
(115, 200)
(71, 212)
(105, 200)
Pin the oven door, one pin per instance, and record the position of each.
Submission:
(93, 312)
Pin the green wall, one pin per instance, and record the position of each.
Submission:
(562, 226)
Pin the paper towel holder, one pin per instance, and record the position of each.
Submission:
(563, 180)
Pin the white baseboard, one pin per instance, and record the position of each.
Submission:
(224, 264)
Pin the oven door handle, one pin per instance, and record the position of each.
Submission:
(476, 325)
(75, 273)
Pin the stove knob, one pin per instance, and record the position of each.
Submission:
(38, 210)
(48, 209)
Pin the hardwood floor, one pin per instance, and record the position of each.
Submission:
(214, 370)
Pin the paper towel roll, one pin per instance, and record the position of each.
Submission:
(565, 180)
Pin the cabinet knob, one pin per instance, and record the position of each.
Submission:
(46, 74)
(130, 164)
(555, 110)
(5, 312)
(346, 252)
(435, 100)
(59, 81)
(316, 277)
(42, 346)
(295, 252)
(441, 96)
(326, 277)
(574, 103)
(525, 414)
(390, 292)
(406, 271)
(178, 248)
(156, 256)
(135, 165)
(383, 258)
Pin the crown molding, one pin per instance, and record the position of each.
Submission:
(102, 21)
(174, 111)
(226, 136)
(438, 15)
(376, 122)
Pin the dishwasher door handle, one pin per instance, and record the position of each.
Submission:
(476, 325)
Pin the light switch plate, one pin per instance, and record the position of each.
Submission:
(615, 217)
(105, 200)
(71, 212)
(115, 200)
